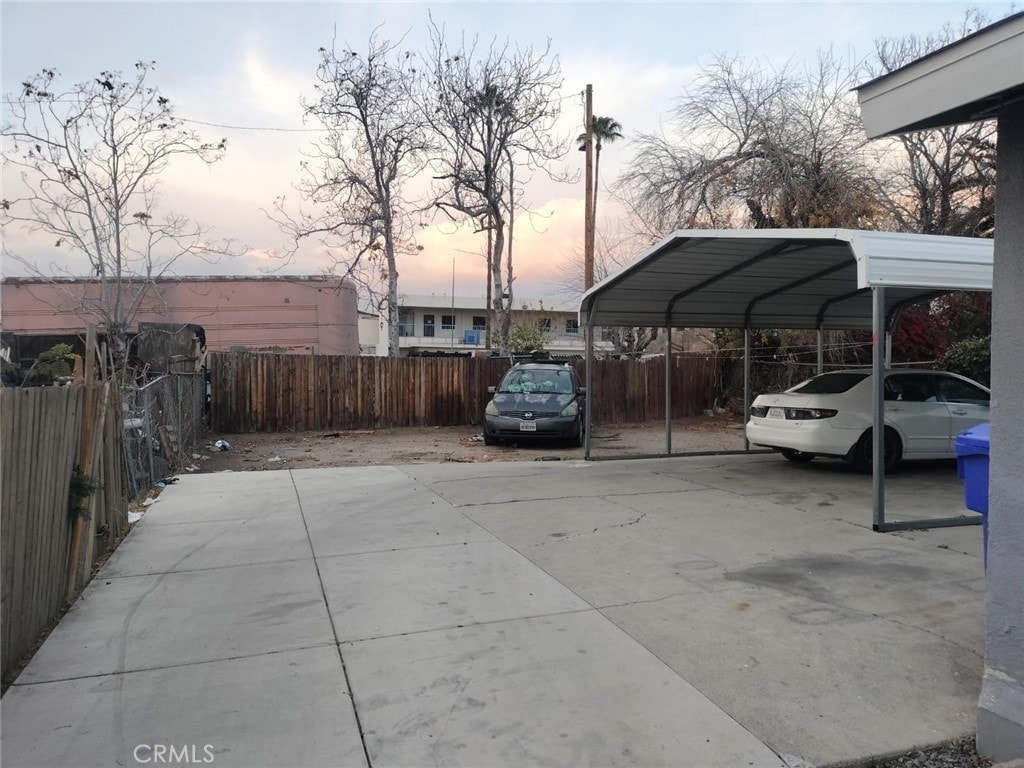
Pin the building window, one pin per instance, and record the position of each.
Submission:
(406, 323)
(572, 326)
(544, 323)
(607, 334)
(479, 323)
(448, 322)
(428, 326)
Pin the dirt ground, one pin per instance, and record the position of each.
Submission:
(260, 451)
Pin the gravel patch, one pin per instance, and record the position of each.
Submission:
(959, 753)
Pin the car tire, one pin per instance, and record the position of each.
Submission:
(797, 457)
(576, 441)
(863, 451)
(489, 440)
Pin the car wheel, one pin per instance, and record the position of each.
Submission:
(489, 440)
(577, 437)
(798, 457)
(863, 451)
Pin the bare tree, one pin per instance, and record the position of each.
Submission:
(940, 181)
(614, 248)
(492, 112)
(757, 147)
(89, 159)
(355, 177)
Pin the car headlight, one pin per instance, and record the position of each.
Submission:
(571, 409)
(491, 409)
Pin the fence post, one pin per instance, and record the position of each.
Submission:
(148, 416)
(85, 460)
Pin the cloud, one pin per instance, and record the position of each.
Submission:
(274, 91)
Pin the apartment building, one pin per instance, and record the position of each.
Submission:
(442, 323)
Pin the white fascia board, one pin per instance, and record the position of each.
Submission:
(974, 69)
(923, 261)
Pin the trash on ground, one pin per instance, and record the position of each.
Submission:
(274, 459)
(134, 517)
(476, 439)
(148, 502)
(222, 445)
(191, 468)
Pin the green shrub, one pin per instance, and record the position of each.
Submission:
(970, 357)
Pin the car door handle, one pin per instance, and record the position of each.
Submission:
(958, 412)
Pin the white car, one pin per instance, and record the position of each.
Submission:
(831, 415)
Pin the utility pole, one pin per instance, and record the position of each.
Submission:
(588, 214)
(489, 317)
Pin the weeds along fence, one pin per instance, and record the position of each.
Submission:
(258, 392)
(163, 419)
(52, 529)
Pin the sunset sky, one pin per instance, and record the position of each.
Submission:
(243, 67)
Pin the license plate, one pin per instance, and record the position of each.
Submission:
(527, 426)
(776, 413)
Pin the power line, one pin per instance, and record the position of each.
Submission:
(253, 127)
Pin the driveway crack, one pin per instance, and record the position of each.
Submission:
(334, 628)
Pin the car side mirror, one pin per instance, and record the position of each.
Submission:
(581, 390)
(491, 390)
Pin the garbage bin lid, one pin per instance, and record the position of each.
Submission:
(974, 441)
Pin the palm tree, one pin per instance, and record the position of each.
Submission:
(604, 129)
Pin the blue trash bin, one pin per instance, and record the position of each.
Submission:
(972, 451)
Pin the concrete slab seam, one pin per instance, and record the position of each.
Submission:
(161, 667)
(647, 650)
(668, 666)
(702, 489)
(220, 520)
(334, 628)
(207, 568)
(467, 625)
(398, 549)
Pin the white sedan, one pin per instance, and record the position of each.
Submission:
(831, 415)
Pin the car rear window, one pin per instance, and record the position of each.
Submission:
(829, 383)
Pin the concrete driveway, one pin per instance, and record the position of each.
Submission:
(712, 611)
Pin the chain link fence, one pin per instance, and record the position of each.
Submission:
(163, 420)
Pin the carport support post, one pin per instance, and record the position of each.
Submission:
(821, 351)
(746, 384)
(589, 418)
(668, 389)
(878, 405)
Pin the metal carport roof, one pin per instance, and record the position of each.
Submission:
(787, 278)
(783, 278)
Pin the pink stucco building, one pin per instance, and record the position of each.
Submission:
(295, 314)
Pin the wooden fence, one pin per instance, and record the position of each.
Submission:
(47, 552)
(254, 392)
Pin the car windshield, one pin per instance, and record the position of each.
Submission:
(829, 384)
(538, 381)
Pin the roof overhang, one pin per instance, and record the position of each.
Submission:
(967, 81)
(784, 278)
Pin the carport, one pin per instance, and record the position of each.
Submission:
(817, 279)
